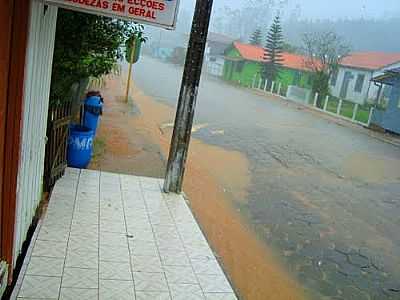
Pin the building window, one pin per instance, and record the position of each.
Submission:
(359, 83)
(334, 77)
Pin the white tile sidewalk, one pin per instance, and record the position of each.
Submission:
(109, 236)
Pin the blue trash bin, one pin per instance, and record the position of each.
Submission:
(80, 146)
(92, 110)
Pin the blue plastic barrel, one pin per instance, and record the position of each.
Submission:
(93, 110)
(80, 146)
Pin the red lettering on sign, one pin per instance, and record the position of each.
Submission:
(141, 8)
(93, 3)
(118, 7)
(148, 4)
(141, 12)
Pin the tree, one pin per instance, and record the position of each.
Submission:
(286, 47)
(324, 52)
(256, 38)
(273, 51)
(86, 46)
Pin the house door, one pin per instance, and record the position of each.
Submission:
(348, 76)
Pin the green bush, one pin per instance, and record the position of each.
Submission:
(86, 46)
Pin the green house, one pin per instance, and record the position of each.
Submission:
(243, 64)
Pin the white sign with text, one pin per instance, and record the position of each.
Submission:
(161, 13)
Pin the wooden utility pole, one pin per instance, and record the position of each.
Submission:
(187, 97)
(128, 84)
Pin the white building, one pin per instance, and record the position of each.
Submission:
(215, 50)
(353, 80)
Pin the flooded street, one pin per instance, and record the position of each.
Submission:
(139, 144)
(323, 196)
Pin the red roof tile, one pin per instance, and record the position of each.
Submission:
(370, 60)
(256, 53)
(250, 52)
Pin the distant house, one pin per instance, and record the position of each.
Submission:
(163, 45)
(243, 63)
(387, 112)
(215, 50)
(353, 82)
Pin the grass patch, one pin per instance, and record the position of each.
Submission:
(99, 148)
(332, 105)
(363, 114)
(347, 109)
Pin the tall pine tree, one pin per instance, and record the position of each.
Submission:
(273, 51)
(256, 37)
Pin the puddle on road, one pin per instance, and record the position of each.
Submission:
(169, 126)
(372, 169)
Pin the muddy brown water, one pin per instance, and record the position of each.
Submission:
(135, 144)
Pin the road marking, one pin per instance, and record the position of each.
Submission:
(195, 128)
(218, 132)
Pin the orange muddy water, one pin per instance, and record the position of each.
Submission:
(137, 140)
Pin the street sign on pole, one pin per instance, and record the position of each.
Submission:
(187, 97)
(160, 13)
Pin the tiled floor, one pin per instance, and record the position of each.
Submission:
(108, 236)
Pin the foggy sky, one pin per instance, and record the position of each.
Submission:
(332, 9)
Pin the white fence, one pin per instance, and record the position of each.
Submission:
(267, 86)
(338, 112)
(304, 97)
(298, 94)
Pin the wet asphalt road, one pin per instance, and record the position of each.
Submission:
(325, 197)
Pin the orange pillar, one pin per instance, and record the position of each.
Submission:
(14, 16)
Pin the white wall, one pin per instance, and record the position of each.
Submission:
(369, 90)
(36, 101)
(352, 95)
(216, 67)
